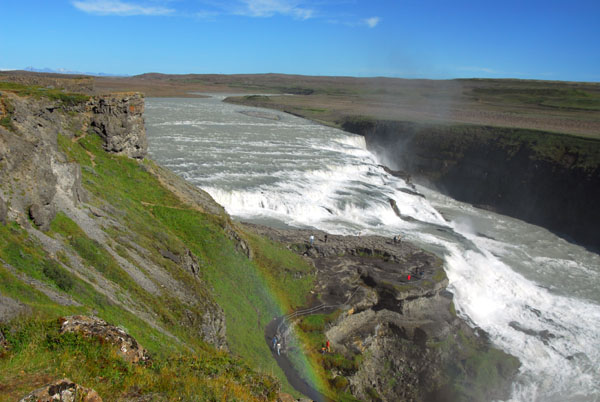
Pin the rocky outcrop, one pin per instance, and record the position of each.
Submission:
(213, 328)
(551, 180)
(119, 121)
(33, 169)
(398, 317)
(210, 325)
(3, 344)
(3, 212)
(94, 327)
(187, 260)
(63, 390)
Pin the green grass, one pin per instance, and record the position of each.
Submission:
(6, 120)
(546, 96)
(251, 293)
(238, 286)
(65, 98)
(38, 353)
(288, 275)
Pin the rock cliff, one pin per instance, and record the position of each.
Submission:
(547, 179)
(38, 180)
(119, 121)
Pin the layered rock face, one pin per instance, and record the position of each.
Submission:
(33, 171)
(28, 156)
(119, 121)
(547, 179)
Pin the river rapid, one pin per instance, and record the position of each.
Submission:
(535, 294)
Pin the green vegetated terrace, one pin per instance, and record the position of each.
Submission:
(65, 98)
(541, 94)
(251, 293)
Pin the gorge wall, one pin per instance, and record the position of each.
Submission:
(551, 180)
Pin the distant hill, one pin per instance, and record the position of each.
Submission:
(67, 71)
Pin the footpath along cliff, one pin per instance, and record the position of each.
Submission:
(102, 251)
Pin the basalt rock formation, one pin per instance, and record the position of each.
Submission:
(398, 316)
(119, 121)
(551, 180)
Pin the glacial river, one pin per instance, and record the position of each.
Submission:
(535, 294)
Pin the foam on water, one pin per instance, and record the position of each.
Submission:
(533, 293)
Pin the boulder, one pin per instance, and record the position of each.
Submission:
(63, 390)
(42, 215)
(95, 327)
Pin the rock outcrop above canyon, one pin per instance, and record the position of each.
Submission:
(119, 121)
(397, 315)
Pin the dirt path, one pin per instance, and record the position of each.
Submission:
(292, 375)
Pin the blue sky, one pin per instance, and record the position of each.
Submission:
(554, 40)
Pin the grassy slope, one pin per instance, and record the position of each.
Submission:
(153, 218)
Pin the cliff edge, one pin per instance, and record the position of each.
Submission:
(551, 180)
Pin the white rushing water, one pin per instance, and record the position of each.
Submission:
(535, 294)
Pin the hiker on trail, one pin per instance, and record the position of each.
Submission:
(395, 239)
(328, 347)
(323, 349)
(325, 238)
(311, 239)
(275, 341)
(278, 349)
